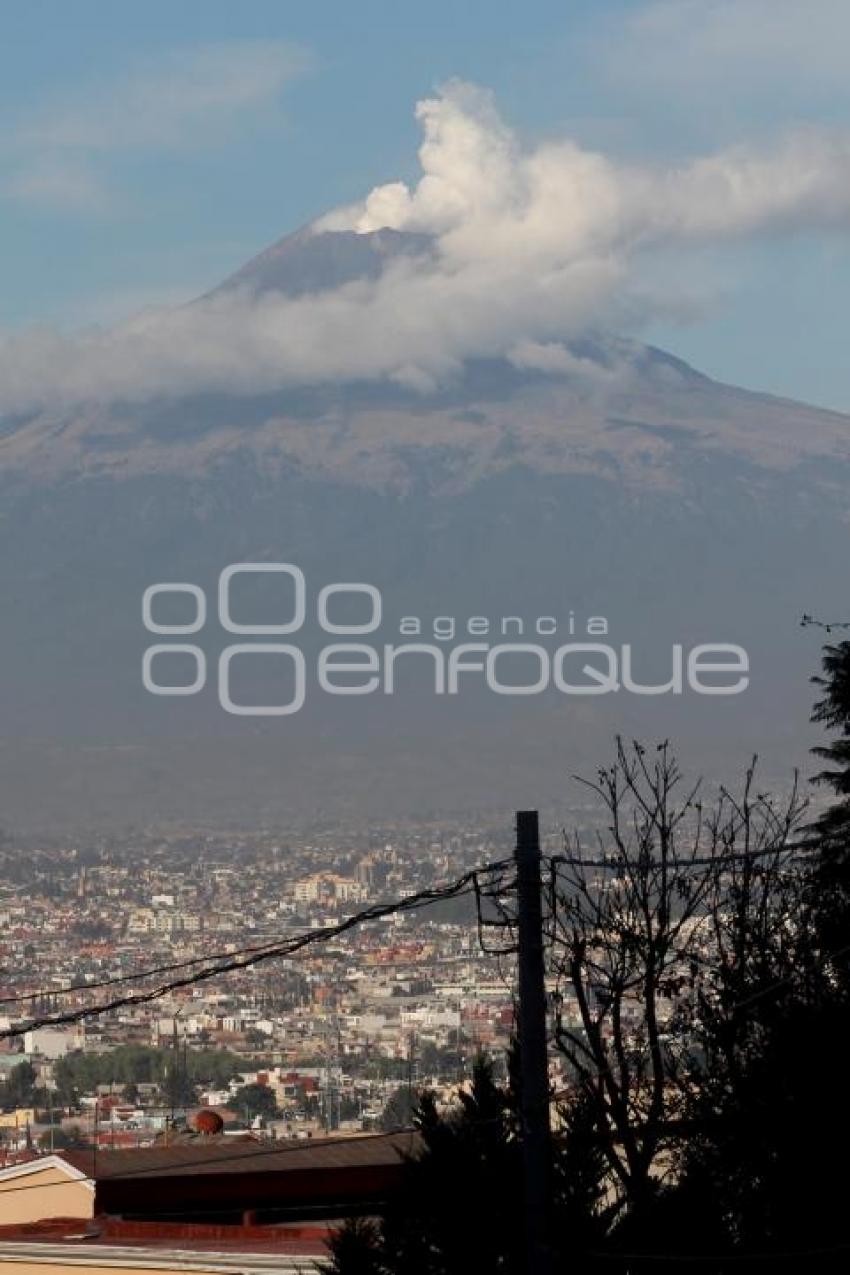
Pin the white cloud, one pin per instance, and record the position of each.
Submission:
(728, 47)
(181, 100)
(53, 182)
(552, 356)
(191, 98)
(533, 246)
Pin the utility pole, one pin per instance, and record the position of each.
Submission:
(331, 1095)
(533, 1054)
(411, 1063)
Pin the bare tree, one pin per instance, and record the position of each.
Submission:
(762, 948)
(642, 927)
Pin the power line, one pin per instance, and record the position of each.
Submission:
(136, 977)
(467, 884)
(463, 885)
(272, 947)
(245, 957)
(685, 863)
(140, 975)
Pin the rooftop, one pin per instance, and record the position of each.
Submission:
(215, 1156)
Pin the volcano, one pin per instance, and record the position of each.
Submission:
(610, 480)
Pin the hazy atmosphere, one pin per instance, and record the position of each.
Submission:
(425, 640)
(350, 294)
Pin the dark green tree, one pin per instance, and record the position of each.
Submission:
(461, 1183)
(770, 1107)
(19, 1089)
(399, 1110)
(355, 1249)
(459, 1208)
(177, 1087)
(71, 1138)
(255, 1100)
(831, 882)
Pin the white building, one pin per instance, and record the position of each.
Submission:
(52, 1042)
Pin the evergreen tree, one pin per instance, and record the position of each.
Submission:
(459, 1208)
(400, 1110)
(462, 1188)
(355, 1249)
(771, 1107)
(832, 878)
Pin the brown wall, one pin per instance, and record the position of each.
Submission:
(214, 1193)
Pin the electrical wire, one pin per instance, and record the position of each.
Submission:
(468, 883)
(463, 885)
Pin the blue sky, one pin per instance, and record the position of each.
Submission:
(148, 150)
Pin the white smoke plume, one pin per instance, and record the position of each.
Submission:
(532, 247)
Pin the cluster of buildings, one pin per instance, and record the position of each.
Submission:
(113, 1111)
(333, 1030)
(261, 1102)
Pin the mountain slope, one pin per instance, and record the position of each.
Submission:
(605, 479)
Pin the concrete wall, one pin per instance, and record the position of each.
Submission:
(52, 1259)
(44, 1193)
